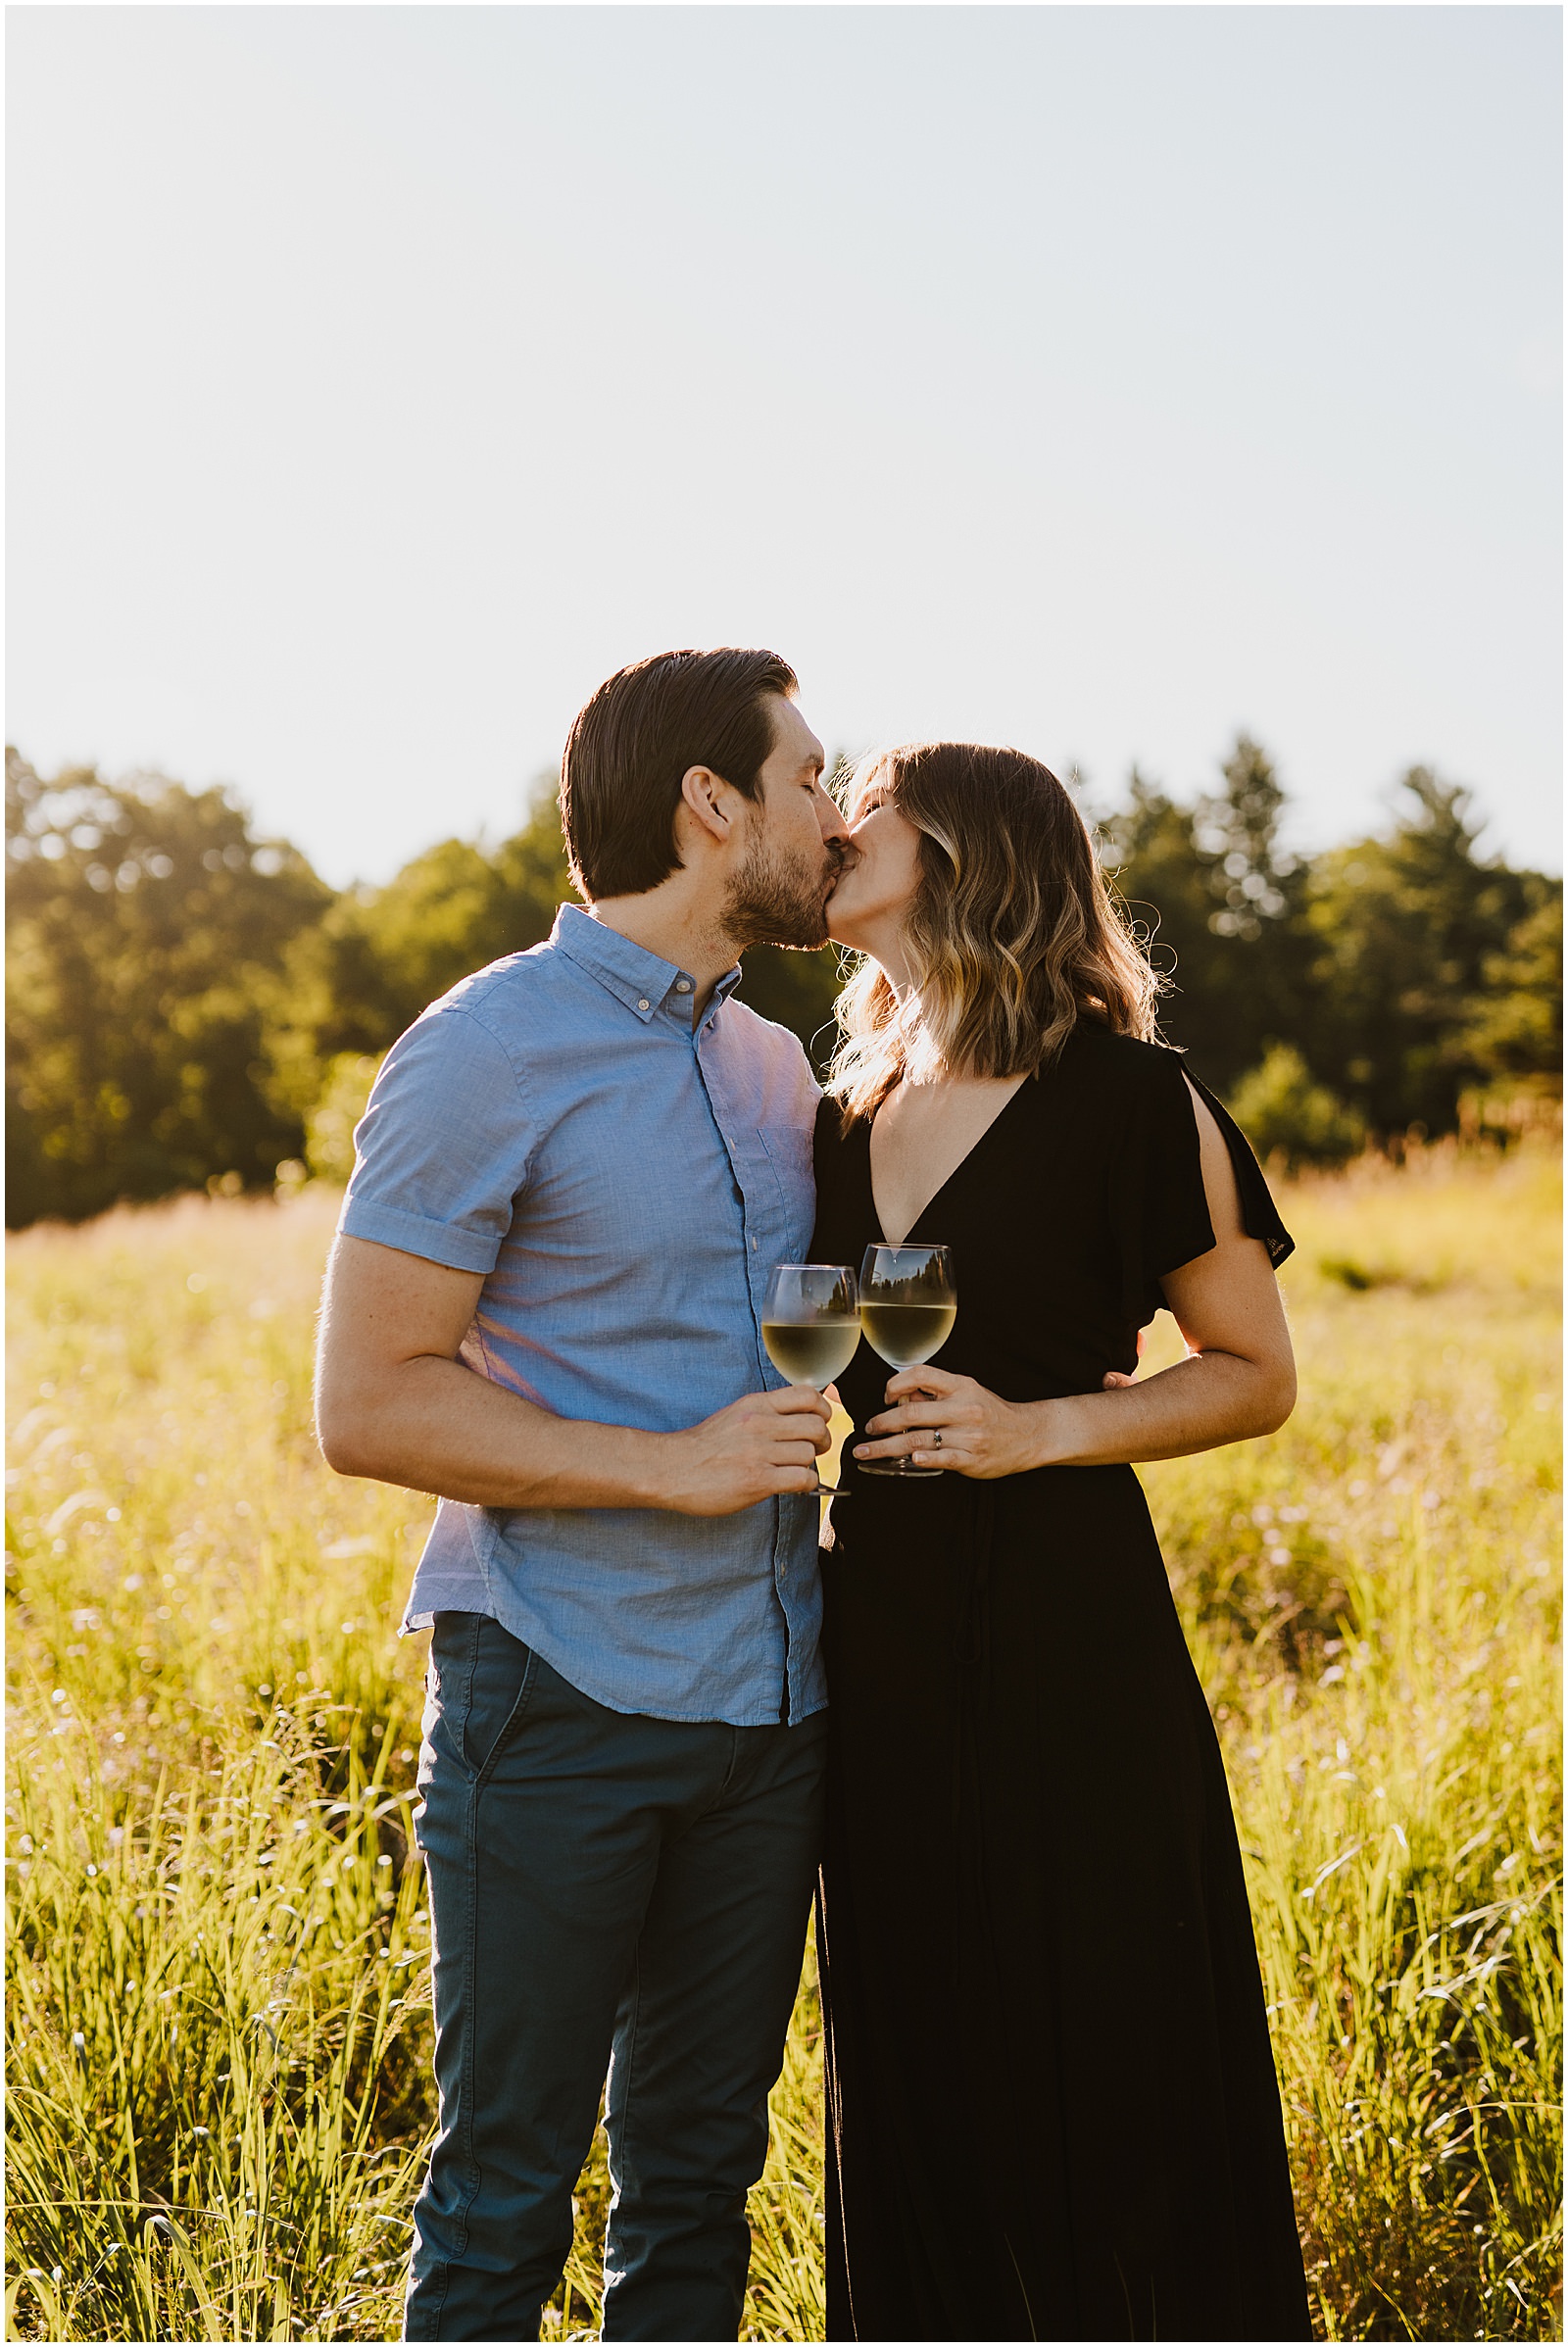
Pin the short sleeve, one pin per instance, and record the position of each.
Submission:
(1158, 1199)
(1260, 1218)
(442, 1150)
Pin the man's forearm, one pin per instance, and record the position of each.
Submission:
(394, 1401)
(435, 1425)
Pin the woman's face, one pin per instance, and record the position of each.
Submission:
(870, 903)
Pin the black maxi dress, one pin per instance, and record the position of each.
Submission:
(1052, 2102)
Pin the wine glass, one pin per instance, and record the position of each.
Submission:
(908, 1302)
(810, 1326)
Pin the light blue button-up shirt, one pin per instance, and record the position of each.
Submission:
(626, 1182)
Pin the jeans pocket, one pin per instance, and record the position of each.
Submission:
(480, 1677)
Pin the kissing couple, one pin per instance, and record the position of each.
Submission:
(660, 1720)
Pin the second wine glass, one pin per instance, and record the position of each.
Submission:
(908, 1302)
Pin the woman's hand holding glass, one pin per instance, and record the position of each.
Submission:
(908, 1302)
(939, 1421)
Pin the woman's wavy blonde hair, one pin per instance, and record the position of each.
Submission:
(1012, 937)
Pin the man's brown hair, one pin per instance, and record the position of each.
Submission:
(632, 742)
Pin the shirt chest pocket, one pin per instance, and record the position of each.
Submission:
(788, 1151)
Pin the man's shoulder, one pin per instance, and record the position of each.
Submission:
(497, 1015)
(505, 994)
(765, 1043)
(762, 1034)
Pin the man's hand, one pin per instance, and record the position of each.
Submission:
(761, 1445)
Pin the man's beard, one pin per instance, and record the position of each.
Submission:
(779, 901)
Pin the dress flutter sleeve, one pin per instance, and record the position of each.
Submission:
(1160, 1203)
(1260, 1218)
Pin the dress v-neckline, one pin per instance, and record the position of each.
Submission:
(979, 1143)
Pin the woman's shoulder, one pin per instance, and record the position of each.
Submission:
(1123, 1067)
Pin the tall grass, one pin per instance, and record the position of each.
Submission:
(218, 2014)
(1398, 1788)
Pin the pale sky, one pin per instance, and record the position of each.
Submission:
(1101, 379)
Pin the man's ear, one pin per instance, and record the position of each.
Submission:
(715, 805)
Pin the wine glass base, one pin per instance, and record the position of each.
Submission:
(900, 1467)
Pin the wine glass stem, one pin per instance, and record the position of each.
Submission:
(825, 1490)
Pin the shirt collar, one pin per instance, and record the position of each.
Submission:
(636, 977)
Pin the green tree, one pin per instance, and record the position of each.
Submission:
(186, 1000)
(1410, 938)
(378, 956)
(1148, 851)
(1285, 1112)
(146, 929)
(1515, 1026)
(1218, 897)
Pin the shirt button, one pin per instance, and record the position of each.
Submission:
(683, 986)
(642, 1002)
(754, 1246)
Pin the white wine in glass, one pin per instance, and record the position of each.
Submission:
(810, 1326)
(908, 1303)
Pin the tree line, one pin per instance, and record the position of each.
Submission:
(189, 1004)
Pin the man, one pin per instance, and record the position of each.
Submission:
(576, 1173)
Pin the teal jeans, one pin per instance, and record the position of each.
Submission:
(606, 1890)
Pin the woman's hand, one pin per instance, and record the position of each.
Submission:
(939, 1420)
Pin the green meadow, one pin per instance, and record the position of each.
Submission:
(218, 2018)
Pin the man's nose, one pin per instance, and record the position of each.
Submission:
(830, 816)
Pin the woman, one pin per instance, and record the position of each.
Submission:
(1052, 2099)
